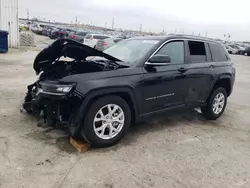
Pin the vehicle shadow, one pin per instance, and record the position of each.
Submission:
(59, 138)
(159, 123)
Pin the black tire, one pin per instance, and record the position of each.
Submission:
(207, 111)
(87, 131)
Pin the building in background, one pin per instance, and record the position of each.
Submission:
(9, 21)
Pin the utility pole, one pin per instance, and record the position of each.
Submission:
(105, 25)
(76, 20)
(140, 28)
(113, 23)
(28, 14)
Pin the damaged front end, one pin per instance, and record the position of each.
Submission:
(53, 100)
(54, 103)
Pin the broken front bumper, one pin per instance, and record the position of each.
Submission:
(55, 104)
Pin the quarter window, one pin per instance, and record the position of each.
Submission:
(175, 50)
(218, 53)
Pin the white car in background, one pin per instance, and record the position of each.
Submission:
(231, 50)
(92, 39)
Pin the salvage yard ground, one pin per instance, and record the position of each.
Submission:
(182, 151)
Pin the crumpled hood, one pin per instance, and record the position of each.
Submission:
(66, 48)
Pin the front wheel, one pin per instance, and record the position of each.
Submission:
(106, 121)
(216, 104)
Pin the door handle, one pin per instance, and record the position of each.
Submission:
(182, 70)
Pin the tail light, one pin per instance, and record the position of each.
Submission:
(105, 43)
(91, 38)
(59, 32)
(74, 36)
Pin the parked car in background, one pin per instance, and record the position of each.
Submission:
(236, 49)
(54, 33)
(231, 50)
(105, 43)
(247, 51)
(78, 36)
(70, 36)
(241, 50)
(46, 31)
(37, 28)
(58, 33)
(92, 39)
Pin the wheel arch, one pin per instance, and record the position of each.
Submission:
(125, 93)
(224, 82)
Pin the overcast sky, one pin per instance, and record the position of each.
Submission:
(214, 17)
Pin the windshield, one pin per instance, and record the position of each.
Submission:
(132, 50)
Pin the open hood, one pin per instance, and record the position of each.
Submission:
(66, 48)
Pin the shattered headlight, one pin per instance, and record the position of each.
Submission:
(56, 88)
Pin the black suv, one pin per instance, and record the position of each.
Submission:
(97, 95)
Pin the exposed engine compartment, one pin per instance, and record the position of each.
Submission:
(60, 69)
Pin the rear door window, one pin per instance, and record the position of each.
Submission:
(218, 53)
(197, 52)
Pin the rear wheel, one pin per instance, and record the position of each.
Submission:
(106, 121)
(216, 104)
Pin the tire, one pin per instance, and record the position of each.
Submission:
(208, 111)
(88, 132)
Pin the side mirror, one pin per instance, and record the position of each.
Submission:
(159, 60)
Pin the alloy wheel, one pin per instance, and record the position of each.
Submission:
(109, 121)
(218, 103)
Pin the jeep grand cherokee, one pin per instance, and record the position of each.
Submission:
(97, 95)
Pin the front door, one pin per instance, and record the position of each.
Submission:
(163, 86)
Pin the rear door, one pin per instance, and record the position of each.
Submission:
(199, 72)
